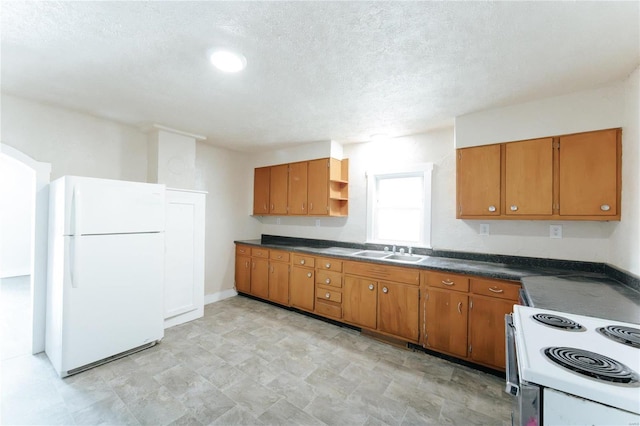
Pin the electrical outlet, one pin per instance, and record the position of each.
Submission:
(484, 229)
(317, 223)
(277, 221)
(555, 231)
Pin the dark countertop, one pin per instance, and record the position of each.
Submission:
(594, 295)
(558, 285)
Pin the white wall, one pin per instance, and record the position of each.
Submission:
(74, 143)
(17, 213)
(596, 109)
(617, 243)
(624, 245)
(227, 176)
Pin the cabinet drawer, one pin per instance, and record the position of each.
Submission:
(243, 250)
(391, 273)
(448, 281)
(280, 256)
(329, 264)
(303, 260)
(493, 288)
(328, 309)
(260, 252)
(329, 294)
(333, 279)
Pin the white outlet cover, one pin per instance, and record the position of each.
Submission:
(318, 222)
(484, 229)
(555, 231)
(277, 221)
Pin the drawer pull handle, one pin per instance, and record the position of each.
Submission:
(371, 287)
(496, 290)
(492, 208)
(328, 295)
(328, 281)
(605, 207)
(272, 207)
(302, 261)
(459, 307)
(328, 265)
(309, 274)
(447, 282)
(385, 290)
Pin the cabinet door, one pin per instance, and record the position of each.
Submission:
(589, 174)
(529, 177)
(446, 318)
(360, 301)
(243, 274)
(279, 282)
(478, 181)
(486, 330)
(298, 188)
(318, 187)
(261, 183)
(278, 189)
(260, 277)
(398, 309)
(302, 288)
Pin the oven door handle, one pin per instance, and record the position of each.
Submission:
(513, 381)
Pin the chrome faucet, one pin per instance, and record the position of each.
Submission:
(394, 249)
(410, 249)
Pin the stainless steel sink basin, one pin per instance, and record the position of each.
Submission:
(404, 258)
(372, 253)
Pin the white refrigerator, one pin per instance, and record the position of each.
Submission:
(105, 270)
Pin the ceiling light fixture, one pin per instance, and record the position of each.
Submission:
(228, 61)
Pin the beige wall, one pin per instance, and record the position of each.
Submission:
(74, 143)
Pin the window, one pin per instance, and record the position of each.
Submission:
(399, 206)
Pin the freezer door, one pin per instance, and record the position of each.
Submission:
(112, 296)
(102, 206)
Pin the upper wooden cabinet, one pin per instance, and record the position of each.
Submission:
(590, 174)
(309, 188)
(478, 179)
(569, 177)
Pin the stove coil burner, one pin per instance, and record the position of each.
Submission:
(593, 365)
(559, 322)
(626, 335)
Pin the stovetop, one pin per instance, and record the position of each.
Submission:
(547, 356)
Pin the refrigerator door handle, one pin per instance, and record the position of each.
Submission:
(75, 239)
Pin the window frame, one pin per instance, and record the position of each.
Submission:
(425, 170)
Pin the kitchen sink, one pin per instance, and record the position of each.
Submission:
(372, 253)
(404, 258)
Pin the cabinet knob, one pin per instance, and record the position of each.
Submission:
(371, 287)
(514, 208)
(328, 281)
(328, 295)
(302, 261)
(492, 208)
(385, 290)
(328, 265)
(605, 207)
(309, 274)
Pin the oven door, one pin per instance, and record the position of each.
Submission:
(525, 409)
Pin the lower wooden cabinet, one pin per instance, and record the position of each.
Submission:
(398, 309)
(446, 317)
(456, 314)
(360, 301)
(302, 288)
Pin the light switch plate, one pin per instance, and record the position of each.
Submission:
(555, 231)
(484, 229)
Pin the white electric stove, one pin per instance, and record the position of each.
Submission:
(577, 369)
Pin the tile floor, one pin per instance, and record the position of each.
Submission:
(250, 363)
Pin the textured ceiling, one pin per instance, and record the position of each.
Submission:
(316, 70)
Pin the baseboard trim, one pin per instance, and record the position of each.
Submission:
(221, 295)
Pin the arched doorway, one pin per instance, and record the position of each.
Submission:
(38, 262)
